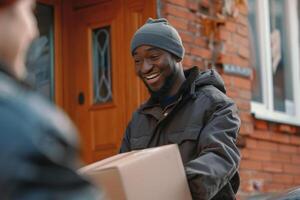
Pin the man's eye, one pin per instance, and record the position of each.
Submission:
(154, 57)
(137, 61)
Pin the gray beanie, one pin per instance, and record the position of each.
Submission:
(158, 33)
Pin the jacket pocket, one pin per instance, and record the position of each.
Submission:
(189, 134)
(139, 142)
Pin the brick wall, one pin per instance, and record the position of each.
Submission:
(270, 151)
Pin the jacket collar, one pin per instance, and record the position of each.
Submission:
(5, 74)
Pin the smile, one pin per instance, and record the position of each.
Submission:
(152, 76)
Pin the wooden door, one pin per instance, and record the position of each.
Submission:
(102, 88)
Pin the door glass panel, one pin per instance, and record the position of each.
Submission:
(40, 56)
(102, 85)
(257, 82)
(281, 64)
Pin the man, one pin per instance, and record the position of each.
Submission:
(38, 145)
(187, 108)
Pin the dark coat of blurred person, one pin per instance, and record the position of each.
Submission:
(38, 144)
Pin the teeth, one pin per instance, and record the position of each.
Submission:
(152, 76)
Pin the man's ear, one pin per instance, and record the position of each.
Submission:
(176, 58)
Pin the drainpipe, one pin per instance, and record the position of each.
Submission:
(158, 8)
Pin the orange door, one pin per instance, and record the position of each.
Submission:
(102, 87)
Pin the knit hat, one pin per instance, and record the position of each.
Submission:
(158, 33)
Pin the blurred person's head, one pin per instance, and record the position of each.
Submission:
(18, 28)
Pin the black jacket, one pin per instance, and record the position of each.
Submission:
(38, 148)
(204, 122)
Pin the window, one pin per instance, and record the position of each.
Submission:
(274, 30)
(40, 56)
(102, 65)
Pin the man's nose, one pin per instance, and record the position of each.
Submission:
(146, 67)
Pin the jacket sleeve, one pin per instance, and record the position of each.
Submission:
(125, 146)
(27, 168)
(219, 156)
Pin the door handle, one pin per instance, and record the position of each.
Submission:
(80, 98)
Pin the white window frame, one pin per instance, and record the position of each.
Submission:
(265, 110)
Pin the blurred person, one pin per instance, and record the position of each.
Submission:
(38, 144)
(189, 108)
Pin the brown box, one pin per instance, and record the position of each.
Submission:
(149, 174)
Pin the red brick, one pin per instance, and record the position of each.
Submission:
(242, 20)
(245, 174)
(193, 28)
(295, 140)
(243, 105)
(223, 35)
(204, 3)
(264, 135)
(266, 145)
(246, 186)
(243, 9)
(297, 180)
(280, 157)
(250, 164)
(262, 175)
(187, 48)
(242, 62)
(246, 117)
(201, 52)
(186, 37)
(272, 167)
(260, 124)
(291, 169)
(188, 61)
(251, 143)
(231, 92)
(224, 59)
(242, 30)
(202, 42)
(282, 138)
(287, 148)
(296, 159)
(258, 155)
(244, 41)
(242, 83)
(245, 94)
(178, 23)
(193, 5)
(177, 11)
(274, 187)
(244, 52)
(230, 48)
(231, 26)
(246, 128)
(273, 127)
(283, 178)
(287, 128)
(245, 153)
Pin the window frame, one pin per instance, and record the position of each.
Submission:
(265, 110)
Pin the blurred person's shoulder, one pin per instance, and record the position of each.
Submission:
(32, 112)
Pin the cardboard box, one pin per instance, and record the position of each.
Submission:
(149, 174)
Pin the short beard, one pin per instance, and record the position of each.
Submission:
(164, 90)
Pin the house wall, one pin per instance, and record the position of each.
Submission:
(270, 151)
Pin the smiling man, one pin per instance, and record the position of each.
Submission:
(187, 108)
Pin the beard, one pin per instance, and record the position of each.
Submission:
(164, 90)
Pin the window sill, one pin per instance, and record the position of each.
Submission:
(260, 112)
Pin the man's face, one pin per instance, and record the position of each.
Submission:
(18, 29)
(155, 67)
